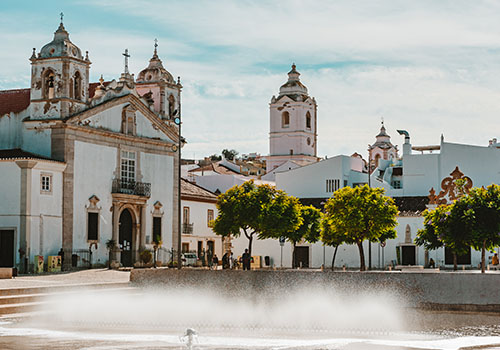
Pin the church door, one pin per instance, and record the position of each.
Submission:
(408, 253)
(6, 248)
(125, 237)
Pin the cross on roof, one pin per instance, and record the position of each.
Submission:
(126, 54)
(62, 15)
(156, 45)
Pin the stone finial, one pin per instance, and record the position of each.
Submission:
(86, 55)
(33, 55)
(101, 80)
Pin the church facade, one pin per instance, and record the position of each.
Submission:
(87, 167)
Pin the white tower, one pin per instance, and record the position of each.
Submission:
(382, 149)
(59, 78)
(293, 125)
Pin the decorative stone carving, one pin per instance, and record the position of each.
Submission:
(450, 191)
(93, 202)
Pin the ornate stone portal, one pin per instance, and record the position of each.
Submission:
(450, 189)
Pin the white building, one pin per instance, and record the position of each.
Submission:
(86, 163)
(293, 126)
(198, 211)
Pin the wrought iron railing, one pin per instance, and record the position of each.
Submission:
(187, 229)
(131, 187)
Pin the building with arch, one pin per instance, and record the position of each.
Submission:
(86, 163)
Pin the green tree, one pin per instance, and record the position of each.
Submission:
(332, 237)
(308, 230)
(482, 213)
(229, 154)
(359, 214)
(261, 211)
(444, 226)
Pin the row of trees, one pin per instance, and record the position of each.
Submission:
(472, 221)
(351, 216)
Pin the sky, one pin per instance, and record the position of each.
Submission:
(429, 67)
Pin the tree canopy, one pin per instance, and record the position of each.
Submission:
(229, 154)
(261, 211)
(353, 215)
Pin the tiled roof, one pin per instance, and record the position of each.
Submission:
(215, 167)
(14, 101)
(18, 153)
(190, 190)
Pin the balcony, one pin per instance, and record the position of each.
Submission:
(142, 189)
(187, 229)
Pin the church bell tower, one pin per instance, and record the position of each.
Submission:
(293, 125)
(59, 78)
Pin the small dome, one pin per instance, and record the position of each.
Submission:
(293, 87)
(155, 72)
(60, 46)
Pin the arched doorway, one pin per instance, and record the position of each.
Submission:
(125, 237)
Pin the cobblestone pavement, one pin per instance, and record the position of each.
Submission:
(67, 278)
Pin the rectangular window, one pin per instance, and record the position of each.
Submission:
(332, 185)
(127, 169)
(46, 183)
(156, 228)
(92, 226)
(185, 247)
(185, 216)
(210, 216)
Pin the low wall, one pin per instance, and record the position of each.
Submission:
(460, 291)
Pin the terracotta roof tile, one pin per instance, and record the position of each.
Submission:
(14, 101)
(189, 189)
(18, 153)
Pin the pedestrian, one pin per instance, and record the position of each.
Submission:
(216, 261)
(231, 261)
(494, 260)
(432, 264)
(245, 259)
(225, 261)
(210, 259)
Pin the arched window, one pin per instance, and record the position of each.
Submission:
(71, 88)
(49, 84)
(171, 106)
(285, 119)
(377, 158)
(308, 120)
(77, 86)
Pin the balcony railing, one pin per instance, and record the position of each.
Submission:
(187, 229)
(131, 187)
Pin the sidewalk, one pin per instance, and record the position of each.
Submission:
(94, 276)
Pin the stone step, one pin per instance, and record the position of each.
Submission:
(59, 288)
(17, 308)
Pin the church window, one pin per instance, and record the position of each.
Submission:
(156, 229)
(308, 120)
(285, 119)
(127, 169)
(128, 120)
(48, 84)
(46, 183)
(171, 106)
(92, 226)
(377, 158)
(77, 86)
(308, 141)
(291, 152)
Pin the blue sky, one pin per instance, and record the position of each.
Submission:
(429, 67)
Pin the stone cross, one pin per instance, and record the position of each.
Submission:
(62, 15)
(126, 54)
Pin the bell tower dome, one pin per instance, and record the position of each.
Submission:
(59, 78)
(293, 125)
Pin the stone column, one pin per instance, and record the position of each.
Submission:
(25, 210)
(142, 240)
(115, 232)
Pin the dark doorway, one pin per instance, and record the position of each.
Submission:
(125, 237)
(408, 255)
(461, 259)
(200, 248)
(301, 256)
(6, 248)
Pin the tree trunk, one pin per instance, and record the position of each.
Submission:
(333, 259)
(250, 239)
(293, 256)
(483, 255)
(455, 264)
(362, 266)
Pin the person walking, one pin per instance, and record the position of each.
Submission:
(215, 261)
(225, 261)
(245, 259)
(231, 261)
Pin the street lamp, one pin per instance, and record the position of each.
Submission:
(369, 185)
(177, 121)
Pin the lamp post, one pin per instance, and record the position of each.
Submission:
(177, 121)
(369, 185)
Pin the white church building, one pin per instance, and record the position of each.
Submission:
(85, 163)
